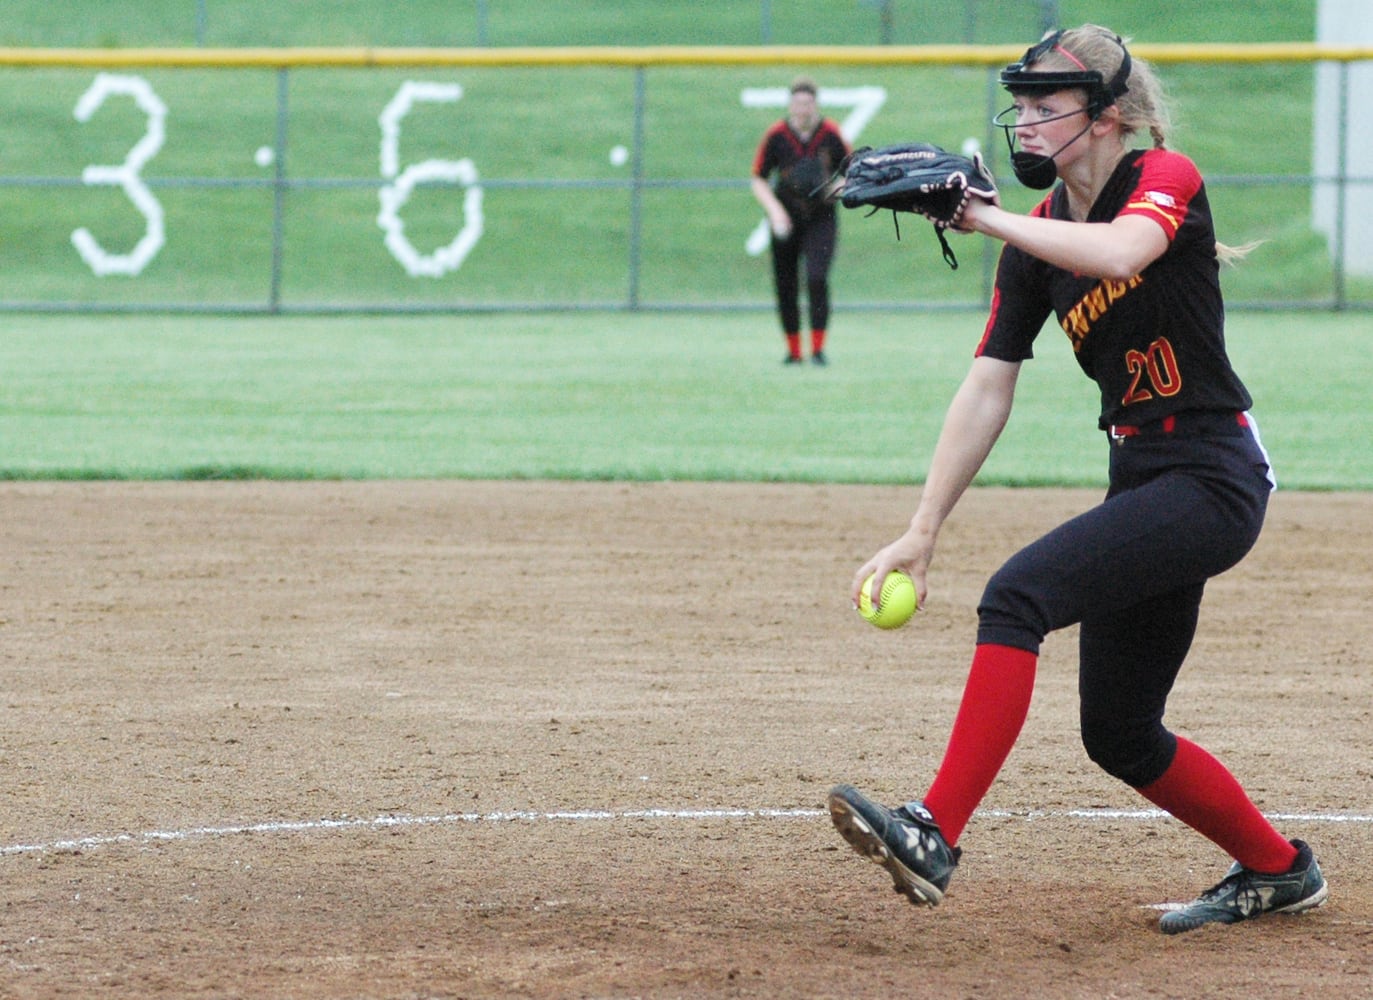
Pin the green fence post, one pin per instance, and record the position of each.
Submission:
(1341, 188)
(279, 194)
(636, 191)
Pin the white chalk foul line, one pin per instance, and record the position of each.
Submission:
(345, 823)
(390, 822)
(1033, 814)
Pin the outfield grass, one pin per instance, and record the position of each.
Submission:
(603, 396)
(587, 394)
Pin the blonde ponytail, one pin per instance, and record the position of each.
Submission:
(1230, 256)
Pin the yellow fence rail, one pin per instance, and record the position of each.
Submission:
(644, 56)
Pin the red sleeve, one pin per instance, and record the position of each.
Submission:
(1167, 184)
(763, 161)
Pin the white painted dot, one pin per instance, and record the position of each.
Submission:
(619, 156)
(264, 156)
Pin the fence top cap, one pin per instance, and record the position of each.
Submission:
(644, 56)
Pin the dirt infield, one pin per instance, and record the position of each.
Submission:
(540, 740)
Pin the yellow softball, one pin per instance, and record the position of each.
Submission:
(896, 604)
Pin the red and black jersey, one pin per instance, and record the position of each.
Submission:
(802, 166)
(1155, 343)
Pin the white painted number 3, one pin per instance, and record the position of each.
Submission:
(395, 194)
(125, 175)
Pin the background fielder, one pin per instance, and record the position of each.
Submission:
(796, 158)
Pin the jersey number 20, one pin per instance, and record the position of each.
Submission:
(1155, 372)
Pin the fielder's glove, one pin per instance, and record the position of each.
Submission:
(920, 178)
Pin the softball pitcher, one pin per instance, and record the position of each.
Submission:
(1124, 254)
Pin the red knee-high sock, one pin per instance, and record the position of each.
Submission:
(1200, 791)
(794, 345)
(817, 341)
(995, 703)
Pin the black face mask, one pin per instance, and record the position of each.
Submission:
(1036, 171)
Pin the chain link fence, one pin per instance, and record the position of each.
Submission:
(284, 181)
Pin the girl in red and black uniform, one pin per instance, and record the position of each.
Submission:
(1124, 255)
(804, 151)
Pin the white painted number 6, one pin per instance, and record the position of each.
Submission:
(126, 175)
(396, 194)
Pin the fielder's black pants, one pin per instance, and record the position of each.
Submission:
(1131, 571)
(813, 240)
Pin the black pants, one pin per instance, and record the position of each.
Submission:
(814, 240)
(1181, 508)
